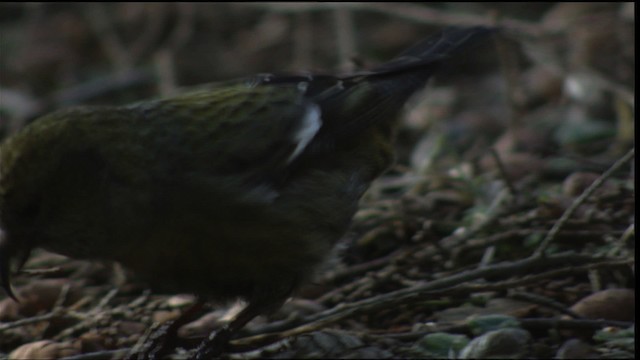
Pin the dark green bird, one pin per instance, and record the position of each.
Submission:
(237, 190)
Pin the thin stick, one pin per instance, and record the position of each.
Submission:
(503, 172)
(580, 200)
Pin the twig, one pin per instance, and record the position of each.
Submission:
(62, 297)
(487, 256)
(302, 42)
(91, 89)
(503, 172)
(512, 77)
(97, 16)
(99, 355)
(526, 323)
(518, 234)
(604, 81)
(449, 286)
(345, 38)
(105, 300)
(580, 200)
(362, 268)
(165, 69)
(544, 301)
(185, 27)
(98, 314)
(155, 23)
(628, 233)
(576, 324)
(165, 53)
(495, 212)
(412, 12)
(39, 318)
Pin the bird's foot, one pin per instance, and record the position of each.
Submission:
(164, 339)
(214, 346)
(158, 344)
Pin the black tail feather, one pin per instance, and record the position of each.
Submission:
(435, 49)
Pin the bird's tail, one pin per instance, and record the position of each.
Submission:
(434, 49)
(366, 98)
(409, 71)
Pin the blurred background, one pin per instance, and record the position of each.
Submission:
(538, 112)
(58, 55)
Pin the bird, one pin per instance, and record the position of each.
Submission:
(238, 189)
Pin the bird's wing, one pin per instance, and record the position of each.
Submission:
(234, 130)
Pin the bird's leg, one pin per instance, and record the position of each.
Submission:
(161, 341)
(265, 299)
(218, 341)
